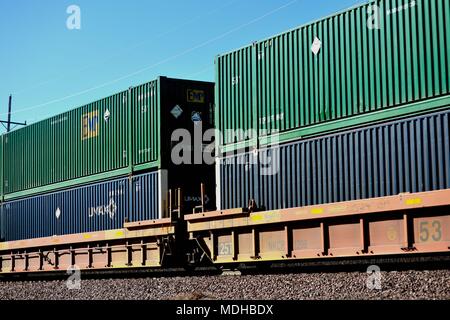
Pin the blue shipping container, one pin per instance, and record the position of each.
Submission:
(410, 155)
(96, 207)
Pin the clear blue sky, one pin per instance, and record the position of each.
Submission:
(50, 69)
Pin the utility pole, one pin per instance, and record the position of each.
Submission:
(8, 125)
(9, 122)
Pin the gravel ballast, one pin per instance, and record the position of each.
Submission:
(404, 285)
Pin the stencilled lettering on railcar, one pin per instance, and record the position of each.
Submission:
(275, 245)
(57, 121)
(104, 210)
(398, 9)
(144, 151)
(225, 248)
(248, 162)
(272, 118)
(301, 244)
(117, 192)
(146, 95)
(197, 199)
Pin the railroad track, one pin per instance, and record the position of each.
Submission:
(396, 263)
(420, 278)
(343, 169)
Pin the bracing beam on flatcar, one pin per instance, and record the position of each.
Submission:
(402, 224)
(137, 245)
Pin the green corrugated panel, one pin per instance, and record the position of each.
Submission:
(358, 70)
(234, 98)
(96, 141)
(79, 143)
(1, 168)
(146, 119)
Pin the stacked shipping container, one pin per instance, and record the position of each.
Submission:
(411, 155)
(126, 134)
(369, 65)
(382, 56)
(95, 207)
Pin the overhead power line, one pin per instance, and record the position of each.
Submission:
(7, 124)
(173, 57)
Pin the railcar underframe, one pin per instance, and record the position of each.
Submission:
(405, 224)
(402, 224)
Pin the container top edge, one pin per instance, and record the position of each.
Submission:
(354, 7)
(67, 111)
(347, 130)
(98, 100)
(123, 178)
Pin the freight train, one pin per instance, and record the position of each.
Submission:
(330, 140)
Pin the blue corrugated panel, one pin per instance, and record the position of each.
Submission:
(145, 196)
(411, 155)
(96, 207)
(1, 223)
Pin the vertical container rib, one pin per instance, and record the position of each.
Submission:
(378, 56)
(410, 155)
(96, 207)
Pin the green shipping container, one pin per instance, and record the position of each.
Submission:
(1, 168)
(96, 141)
(388, 54)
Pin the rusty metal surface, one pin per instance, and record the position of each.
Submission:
(157, 230)
(105, 256)
(141, 224)
(402, 224)
(383, 204)
(132, 247)
(212, 214)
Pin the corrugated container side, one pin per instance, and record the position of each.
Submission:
(146, 197)
(358, 69)
(145, 100)
(1, 168)
(1, 223)
(234, 98)
(2, 237)
(94, 143)
(96, 207)
(82, 142)
(411, 155)
(238, 191)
